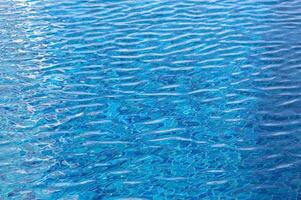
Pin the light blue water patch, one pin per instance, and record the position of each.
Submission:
(150, 99)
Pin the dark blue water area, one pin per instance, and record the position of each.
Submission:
(150, 99)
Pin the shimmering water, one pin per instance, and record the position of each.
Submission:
(150, 99)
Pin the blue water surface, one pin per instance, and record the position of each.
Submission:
(150, 99)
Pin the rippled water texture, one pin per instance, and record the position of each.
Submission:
(150, 99)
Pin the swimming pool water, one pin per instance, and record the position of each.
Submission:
(150, 99)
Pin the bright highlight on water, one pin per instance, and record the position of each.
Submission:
(150, 99)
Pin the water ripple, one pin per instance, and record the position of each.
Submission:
(145, 99)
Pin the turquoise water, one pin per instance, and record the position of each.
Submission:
(150, 99)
